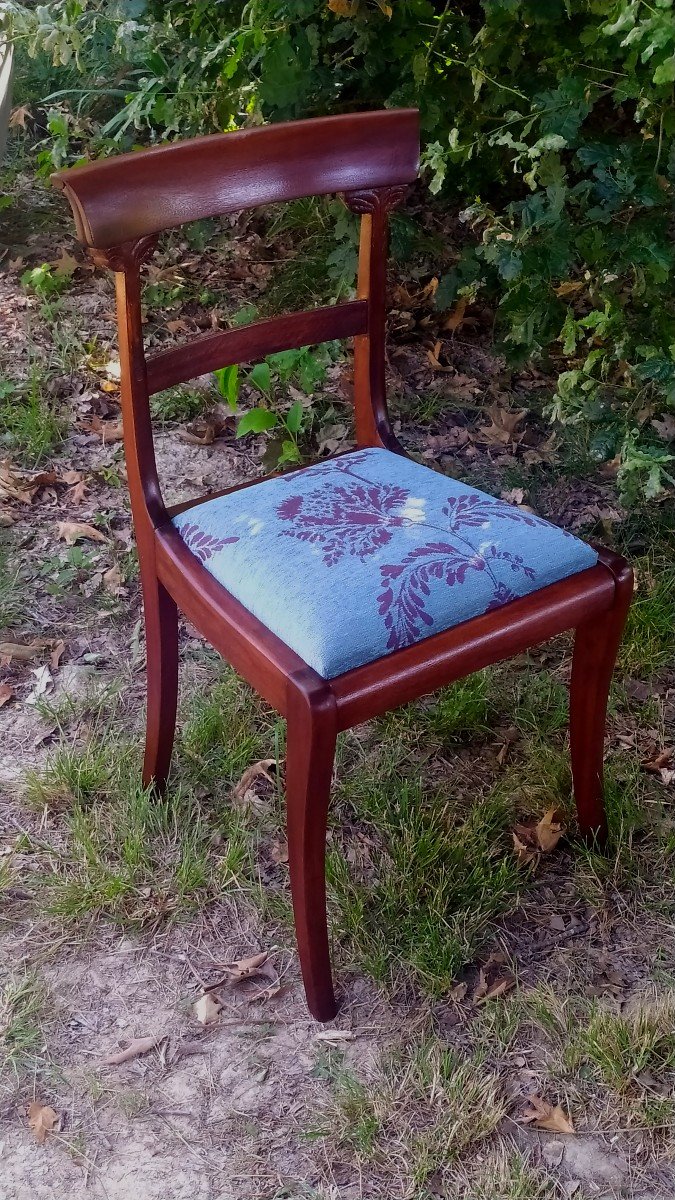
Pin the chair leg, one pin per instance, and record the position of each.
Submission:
(596, 645)
(311, 736)
(161, 642)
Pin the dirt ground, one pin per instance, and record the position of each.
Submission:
(245, 1108)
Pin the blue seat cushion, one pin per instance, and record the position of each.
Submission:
(353, 558)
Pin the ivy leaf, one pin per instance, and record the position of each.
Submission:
(227, 379)
(294, 417)
(261, 377)
(665, 72)
(257, 421)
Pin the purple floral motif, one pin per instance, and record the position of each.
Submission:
(202, 544)
(357, 518)
(354, 518)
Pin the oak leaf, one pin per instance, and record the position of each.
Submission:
(207, 1008)
(74, 531)
(543, 1115)
(41, 1120)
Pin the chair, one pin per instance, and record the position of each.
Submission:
(347, 588)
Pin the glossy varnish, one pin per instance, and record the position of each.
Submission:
(120, 206)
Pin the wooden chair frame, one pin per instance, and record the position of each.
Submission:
(120, 205)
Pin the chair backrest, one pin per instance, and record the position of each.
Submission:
(121, 204)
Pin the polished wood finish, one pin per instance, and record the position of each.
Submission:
(250, 343)
(120, 205)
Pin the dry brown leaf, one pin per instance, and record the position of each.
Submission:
(279, 852)
(23, 653)
(502, 428)
(56, 655)
(113, 580)
(456, 317)
(246, 967)
(133, 1050)
(524, 853)
(207, 1008)
(6, 693)
(481, 988)
(77, 493)
(499, 986)
(41, 1120)
(19, 116)
(255, 771)
(65, 265)
(74, 531)
(543, 1115)
(21, 485)
(569, 288)
(549, 830)
(343, 8)
(513, 496)
(662, 759)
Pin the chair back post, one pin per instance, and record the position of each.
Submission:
(371, 416)
(146, 498)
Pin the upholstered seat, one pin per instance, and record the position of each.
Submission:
(353, 558)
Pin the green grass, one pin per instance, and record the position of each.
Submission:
(22, 1007)
(649, 642)
(29, 424)
(423, 1111)
(128, 855)
(180, 404)
(11, 587)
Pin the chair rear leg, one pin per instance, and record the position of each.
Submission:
(161, 642)
(311, 737)
(596, 646)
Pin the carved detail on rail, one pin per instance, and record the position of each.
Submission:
(372, 200)
(127, 256)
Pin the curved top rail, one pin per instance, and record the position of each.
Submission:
(134, 195)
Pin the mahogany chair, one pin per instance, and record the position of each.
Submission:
(350, 587)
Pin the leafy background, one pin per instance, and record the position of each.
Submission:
(549, 131)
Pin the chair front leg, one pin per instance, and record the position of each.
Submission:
(161, 649)
(310, 752)
(596, 645)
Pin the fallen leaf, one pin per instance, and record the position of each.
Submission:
(43, 683)
(502, 427)
(343, 8)
(22, 485)
(41, 1120)
(74, 531)
(543, 1115)
(513, 496)
(255, 771)
(279, 852)
(19, 116)
(56, 654)
(524, 853)
(23, 653)
(501, 985)
(549, 830)
(244, 968)
(569, 288)
(662, 759)
(65, 265)
(207, 1008)
(456, 317)
(6, 693)
(133, 1050)
(113, 580)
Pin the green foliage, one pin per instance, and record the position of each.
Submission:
(550, 126)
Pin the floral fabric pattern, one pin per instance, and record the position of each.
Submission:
(365, 554)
